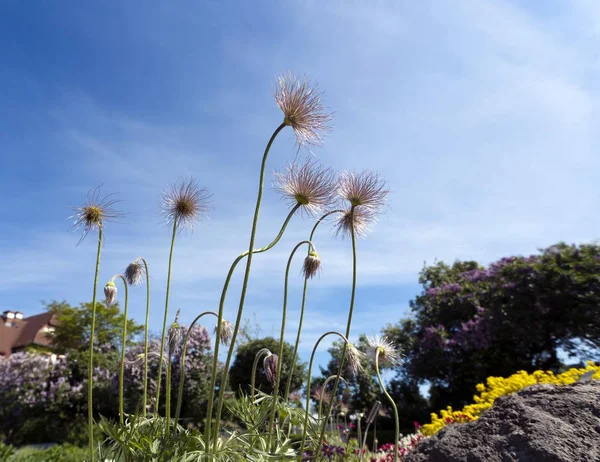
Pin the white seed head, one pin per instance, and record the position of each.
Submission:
(226, 331)
(312, 264)
(354, 359)
(385, 348)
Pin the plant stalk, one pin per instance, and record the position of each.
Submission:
(91, 354)
(123, 346)
(146, 327)
(238, 321)
(394, 407)
(164, 329)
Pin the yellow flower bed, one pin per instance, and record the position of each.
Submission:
(499, 386)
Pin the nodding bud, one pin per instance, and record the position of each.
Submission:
(312, 263)
(373, 412)
(134, 273)
(270, 365)
(226, 332)
(110, 292)
(174, 335)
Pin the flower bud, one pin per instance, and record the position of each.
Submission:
(270, 365)
(312, 263)
(110, 292)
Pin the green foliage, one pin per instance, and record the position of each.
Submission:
(6, 450)
(472, 322)
(64, 453)
(73, 329)
(240, 372)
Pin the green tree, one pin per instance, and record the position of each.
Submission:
(472, 322)
(73, 327)
(240, 372)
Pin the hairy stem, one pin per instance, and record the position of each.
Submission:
(310, 365)
(238, 321)
(91, 354)
(182, 365)
(123, 346)
(164, 328)
(349, 323)
(282, 334)
(394, 407)
(239, 258)
(146, 327)
(300, 321)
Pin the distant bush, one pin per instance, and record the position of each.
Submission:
(64, 453)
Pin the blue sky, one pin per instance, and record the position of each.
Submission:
(481, 115)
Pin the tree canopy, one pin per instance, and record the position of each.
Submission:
(472, 322)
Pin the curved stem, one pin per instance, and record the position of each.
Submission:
(146, 327)
(164, 329)
(222, 307)
(300, 321)
(123, 346)
(322, 396)
(310, 365)
(91, 354)
(350, 311)
(257, 356)
(281, 335)
(182, 365)
(396, 419)
(245, 282)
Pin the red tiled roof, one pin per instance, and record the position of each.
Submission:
(23, 332)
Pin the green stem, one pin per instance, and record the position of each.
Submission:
(238, 321)
(123, 346)
(310, 365)
(281, 336)
(164, 329)
(182, 366)
(396, 419)
(322, 396)
(257, 356)
(91, 358)
(222, 307)
(146, 327)
(349, 323)
(300, 321)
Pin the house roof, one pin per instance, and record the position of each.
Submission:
(22, 332)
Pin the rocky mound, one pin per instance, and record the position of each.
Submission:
(541, 423)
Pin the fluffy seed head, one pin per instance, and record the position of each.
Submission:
(388, 351)
(94, 213)
(110, 292)
(354, 358)
(308, 184)
(226, 332)
(312, 263)
(302, 109)
(270, 366)
(365, 189)
(361, 219)
(134, 273)
(184, 203)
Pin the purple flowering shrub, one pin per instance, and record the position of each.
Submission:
(472, 322)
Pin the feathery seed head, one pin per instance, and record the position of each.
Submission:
(308, 184)
(270, 366)
(365, 189)
(185, 203)
(134, 273)
(387, 350)
(110, 292)
(354, 358)
(94, 213)
(302, 109)
(312, 264)
(226, 331)
(361, 219)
